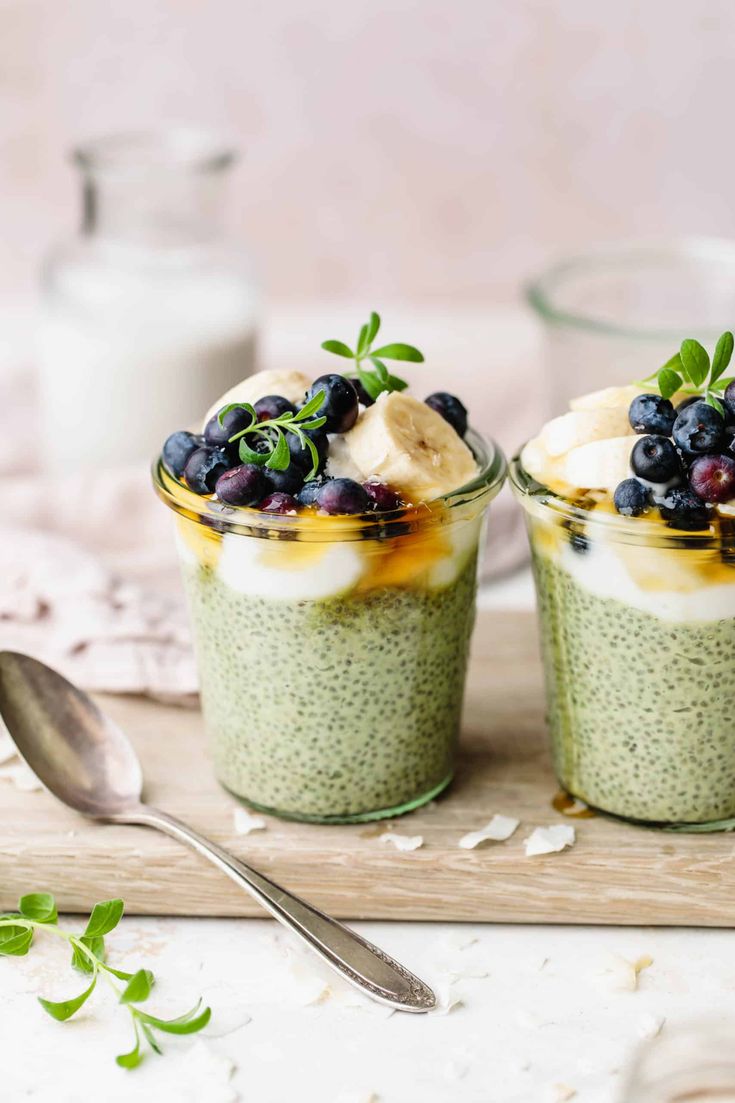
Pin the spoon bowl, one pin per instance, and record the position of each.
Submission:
(79, 754)
(87, 762)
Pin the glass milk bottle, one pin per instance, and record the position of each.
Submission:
(148, 311)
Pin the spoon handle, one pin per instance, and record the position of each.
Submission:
(360, 962)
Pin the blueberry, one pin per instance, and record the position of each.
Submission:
(682, 509)
(578, 543)
(204, 467)
(342, 496)
(655, 459)
(177, 449)
(382, 498)
(728, 398)
(289, 481)
(712, 478)
(652, 413)
(632, 498)
(450, 408)
(272, 406)
(363, 396)
(241, 486)
(301, 455)
(232, 422)
(278, 502)
(308, 493)
(699, 428)
(340, 402)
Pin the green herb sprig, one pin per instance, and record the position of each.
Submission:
(274, 451)
(37, 911)
(690, 370)
(378, 378)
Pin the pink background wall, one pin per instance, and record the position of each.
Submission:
(425, 150)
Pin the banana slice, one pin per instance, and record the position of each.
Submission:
(607, 398)
(408, 445)
(599, 465)
(561, 434)
(290, 384)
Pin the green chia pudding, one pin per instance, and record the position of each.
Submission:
(640, 709)
(336, 709)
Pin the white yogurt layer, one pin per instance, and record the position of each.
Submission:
(288, 570)
(602, 570)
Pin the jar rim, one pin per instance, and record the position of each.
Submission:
(540, 501)
(316, 528)
(541, 293)
(139, 152)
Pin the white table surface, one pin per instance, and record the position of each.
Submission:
(544, 1012)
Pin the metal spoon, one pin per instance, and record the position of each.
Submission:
(87, 762)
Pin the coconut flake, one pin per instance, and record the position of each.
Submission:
(650, 1026)
(21, 776)
(621, 975)
(548, 840)
(498, 830)
(447, 997)
(403, 842)
(245, 822)
(561, 1093)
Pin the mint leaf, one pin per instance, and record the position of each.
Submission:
(185, 1024)
(249, 455)
(237, 406)
(399, 352)
(95, 945)
(66, 1008)
(714, 403)
(280, 457)
(40, 906)
(373, 327)
(151, 1039)
(138, 987)
(15, 941)
(362, 340)
(669, 382)
(314, 404)
(722, 356)
(695, 361)
(370, 382)
(104, 918)
(131, 1060)
(722, 383)
(380, 370)
(339, 348)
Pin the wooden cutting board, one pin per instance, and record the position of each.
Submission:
(614, 874)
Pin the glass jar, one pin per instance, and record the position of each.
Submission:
(148, 311)
(332, 651)
(691, 1063)
(611, 314)
(637, 628)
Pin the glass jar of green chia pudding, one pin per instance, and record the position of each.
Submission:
(332, 650)
(637, 628)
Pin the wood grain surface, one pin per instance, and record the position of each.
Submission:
(614, 874)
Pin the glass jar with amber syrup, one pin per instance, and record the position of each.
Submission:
(333, 650)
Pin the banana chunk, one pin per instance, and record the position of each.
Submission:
(561, 434)
(409, 446)
(599, 465)
(290, 384)
(607, 398)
